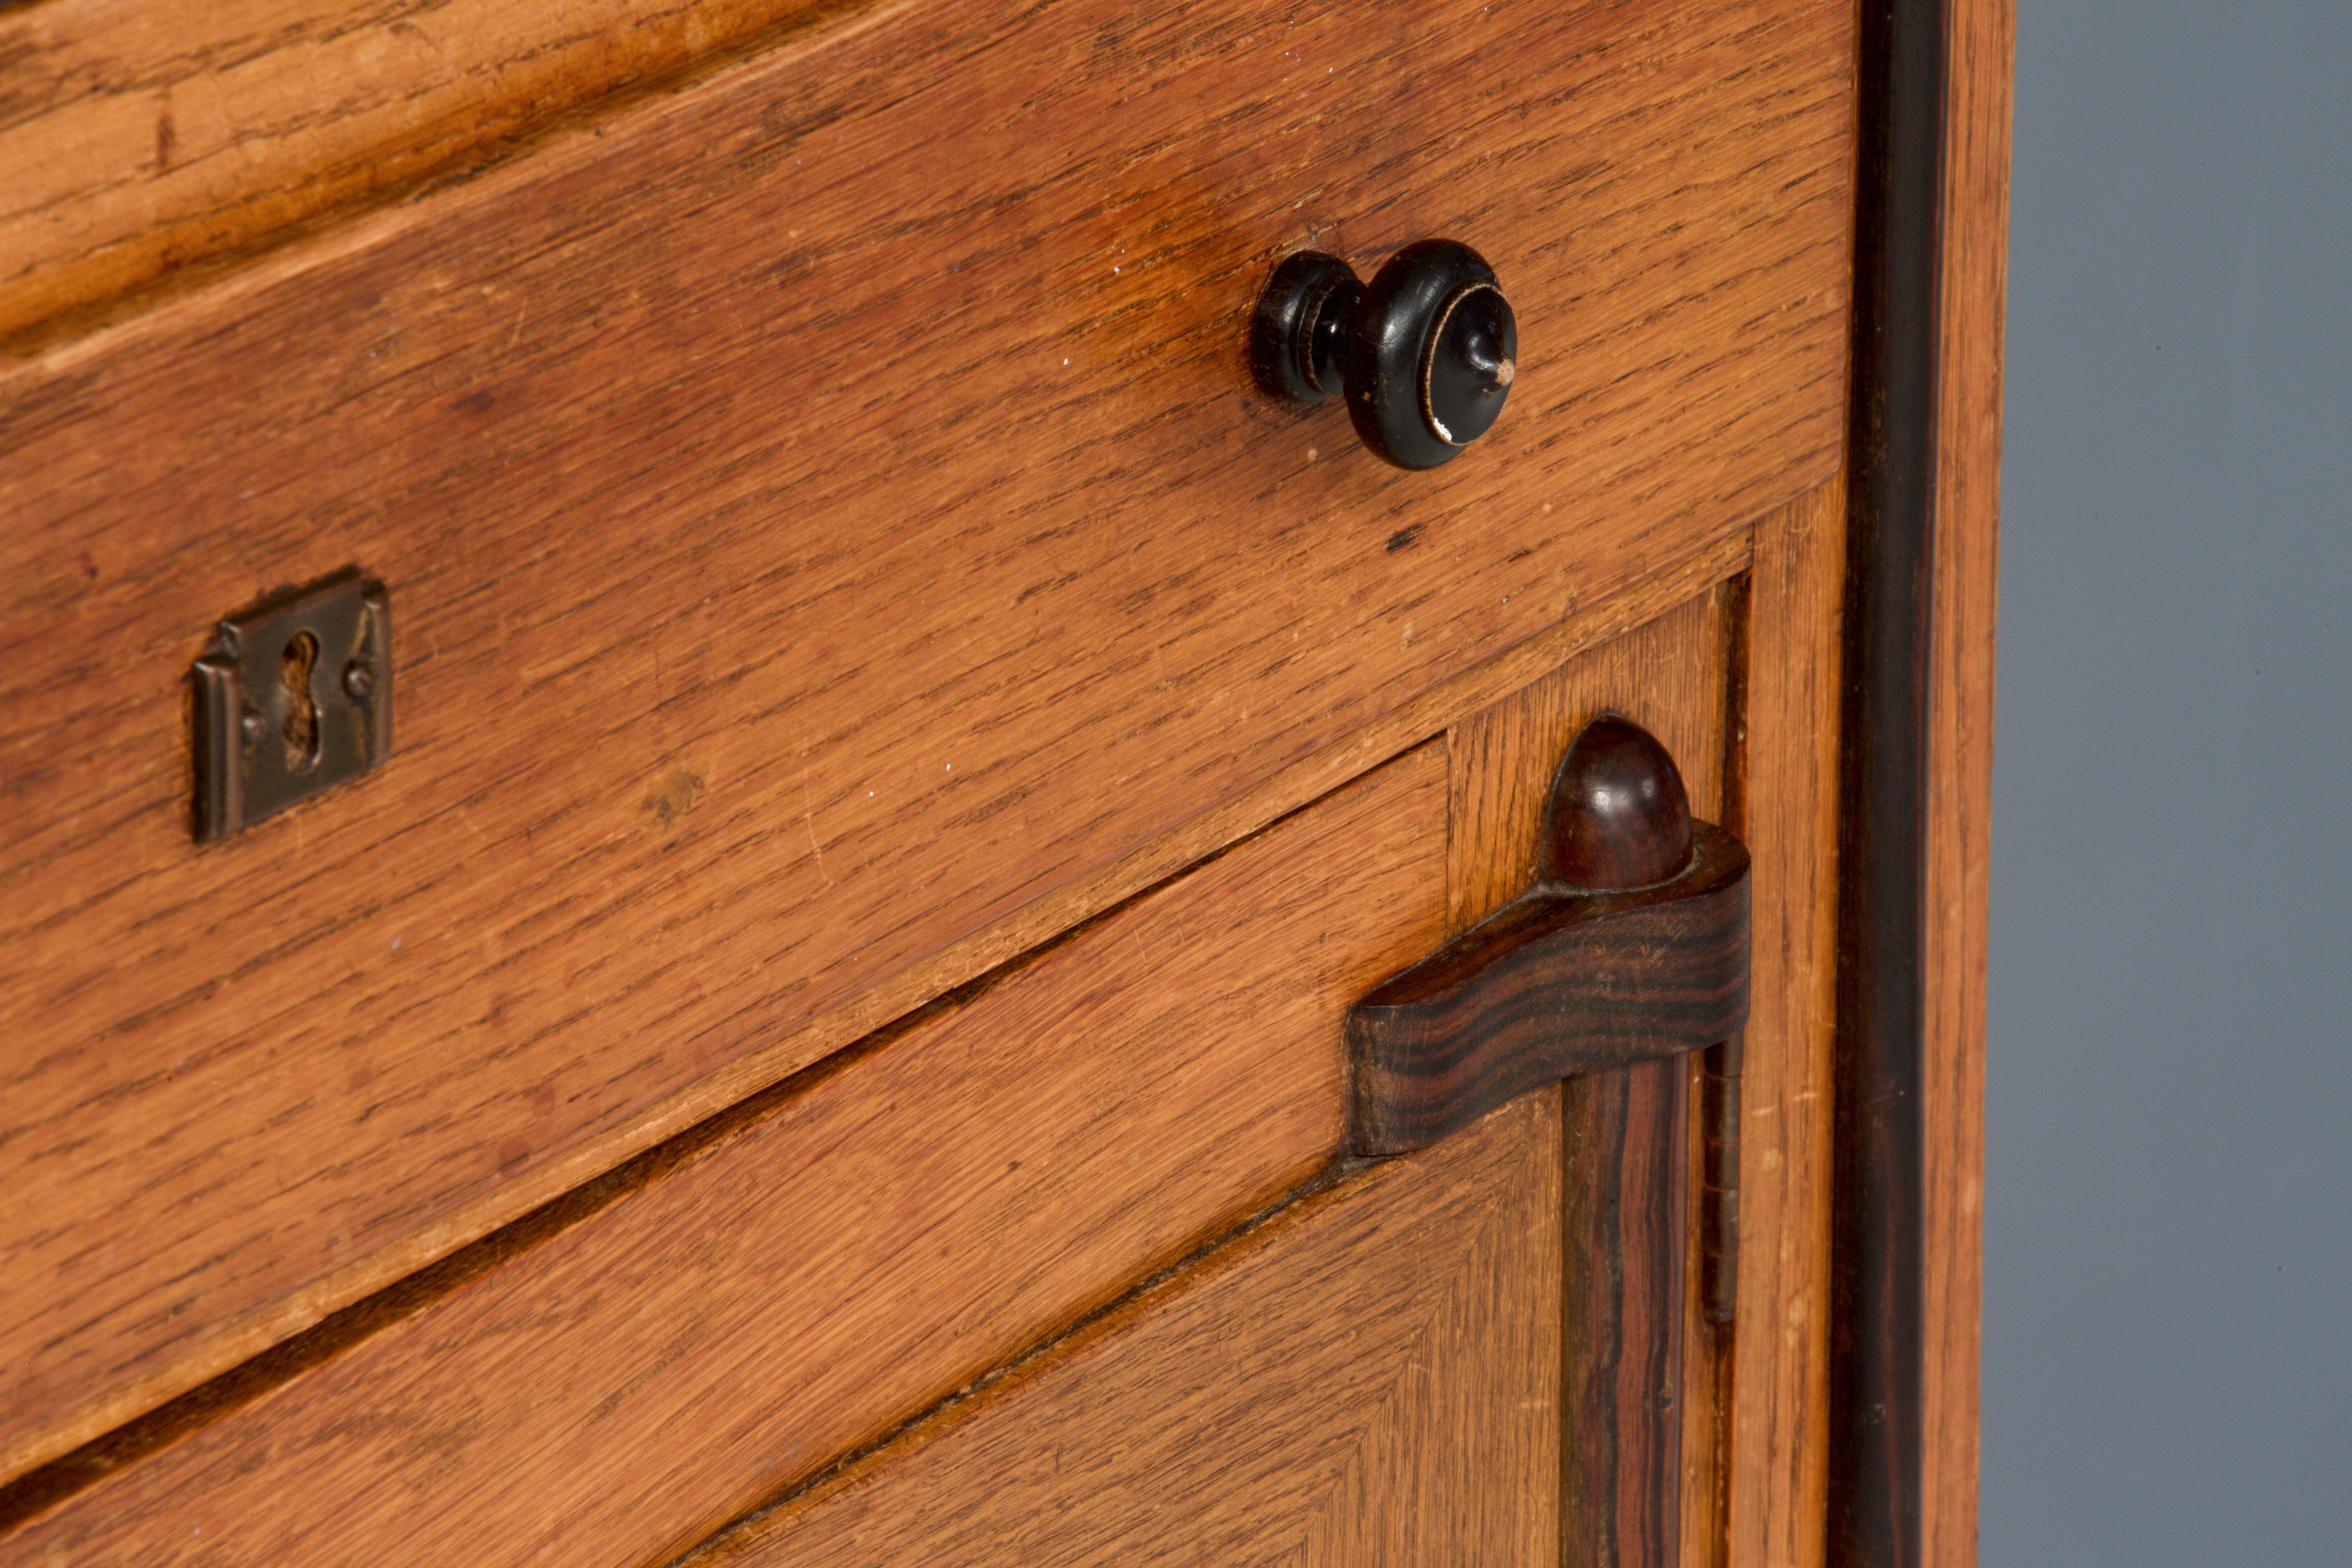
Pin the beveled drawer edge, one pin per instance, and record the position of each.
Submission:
(1344, 1180)
(1346, 1183)
(33, 1468)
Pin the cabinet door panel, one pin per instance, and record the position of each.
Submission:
(1369, 1379)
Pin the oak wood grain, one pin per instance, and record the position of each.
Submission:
(1366, 1381)
(1981, 46)
(1673, 677)
(1708, 1336)
(779, 610)
(1001, 943)
(1786, 811)
(853, 1254)
(139, 141)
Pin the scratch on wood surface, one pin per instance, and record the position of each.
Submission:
(808, 820)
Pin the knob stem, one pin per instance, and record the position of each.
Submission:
(1305, 320)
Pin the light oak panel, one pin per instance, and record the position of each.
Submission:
(1980, 46)
(1366, 1380)
(776, 610)
(1778, 1436)
(847, 1257)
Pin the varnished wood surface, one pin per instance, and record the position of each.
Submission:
(844, 1259)
(1555, 983)
(1367, 1381)
(1708, 1363)
(778, 610)
(1980, 44)
(138, 139)
(1778, 1438)
(1673, 677)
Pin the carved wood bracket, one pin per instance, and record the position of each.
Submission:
(1630, 946)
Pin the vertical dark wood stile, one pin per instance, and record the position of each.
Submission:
(1878, 1218)
(1625, 1206)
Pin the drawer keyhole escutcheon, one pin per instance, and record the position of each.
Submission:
(292, 697)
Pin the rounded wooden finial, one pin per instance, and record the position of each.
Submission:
(1619, 816)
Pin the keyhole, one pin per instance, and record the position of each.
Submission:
(295, 662)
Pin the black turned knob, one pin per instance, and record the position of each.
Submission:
(1425, 352)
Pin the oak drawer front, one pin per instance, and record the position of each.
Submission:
(826, 513)
(848, 1252)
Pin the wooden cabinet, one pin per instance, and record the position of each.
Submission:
(823, 1039)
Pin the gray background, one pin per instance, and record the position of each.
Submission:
(2167, 1352)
